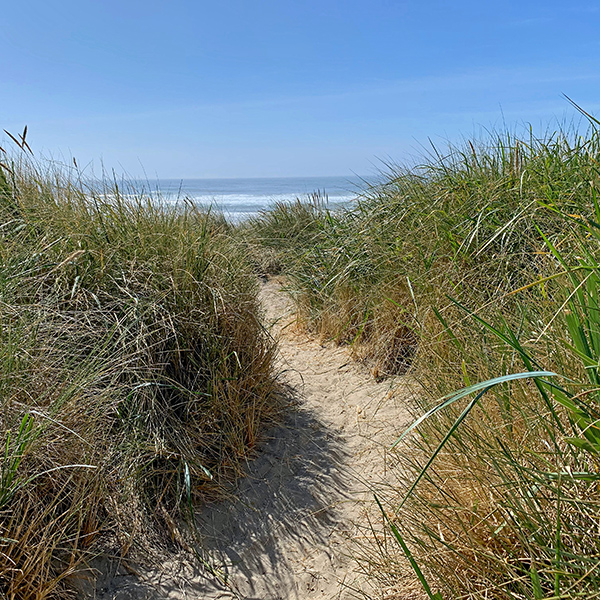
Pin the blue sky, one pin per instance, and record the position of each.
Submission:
(240, 88)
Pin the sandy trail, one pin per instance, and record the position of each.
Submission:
(291, 530)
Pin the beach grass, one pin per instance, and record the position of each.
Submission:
(480, 262)
(135, 373)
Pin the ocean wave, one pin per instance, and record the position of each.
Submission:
(250, 199)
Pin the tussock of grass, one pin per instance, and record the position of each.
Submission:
(478, 263)
(277, 236)
(135, 374)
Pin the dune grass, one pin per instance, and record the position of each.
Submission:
(479, 263)
(278, 236)
(135, 374)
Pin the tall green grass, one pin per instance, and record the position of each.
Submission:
(479, 263)
(135, 374)
(277, 236)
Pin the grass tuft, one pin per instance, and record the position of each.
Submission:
(135, 373)
(479, 263)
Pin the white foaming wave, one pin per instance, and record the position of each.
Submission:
(236, 207)
(253, 199)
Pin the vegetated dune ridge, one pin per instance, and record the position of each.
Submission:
(297, 526)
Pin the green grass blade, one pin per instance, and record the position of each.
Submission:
(408, 554)
(451, 398)
(441, 445)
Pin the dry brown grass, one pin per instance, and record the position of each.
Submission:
(131, 335)
(502, 512)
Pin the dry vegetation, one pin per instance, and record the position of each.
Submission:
(135, 372)
(478, 264)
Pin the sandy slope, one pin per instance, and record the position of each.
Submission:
(293, 528)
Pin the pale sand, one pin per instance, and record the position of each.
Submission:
(301, 516)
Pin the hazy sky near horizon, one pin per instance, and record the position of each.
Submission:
(240, 88)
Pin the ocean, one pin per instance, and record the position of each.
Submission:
(239, 199)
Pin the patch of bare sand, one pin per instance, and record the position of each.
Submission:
(302, 514)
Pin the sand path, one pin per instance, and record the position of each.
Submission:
(298, 519)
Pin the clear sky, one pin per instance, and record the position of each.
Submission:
(241, 88)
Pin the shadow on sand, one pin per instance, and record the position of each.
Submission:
(255, 541)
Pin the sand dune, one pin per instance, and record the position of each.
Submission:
(297, 522)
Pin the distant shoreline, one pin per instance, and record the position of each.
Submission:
(241, 198)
